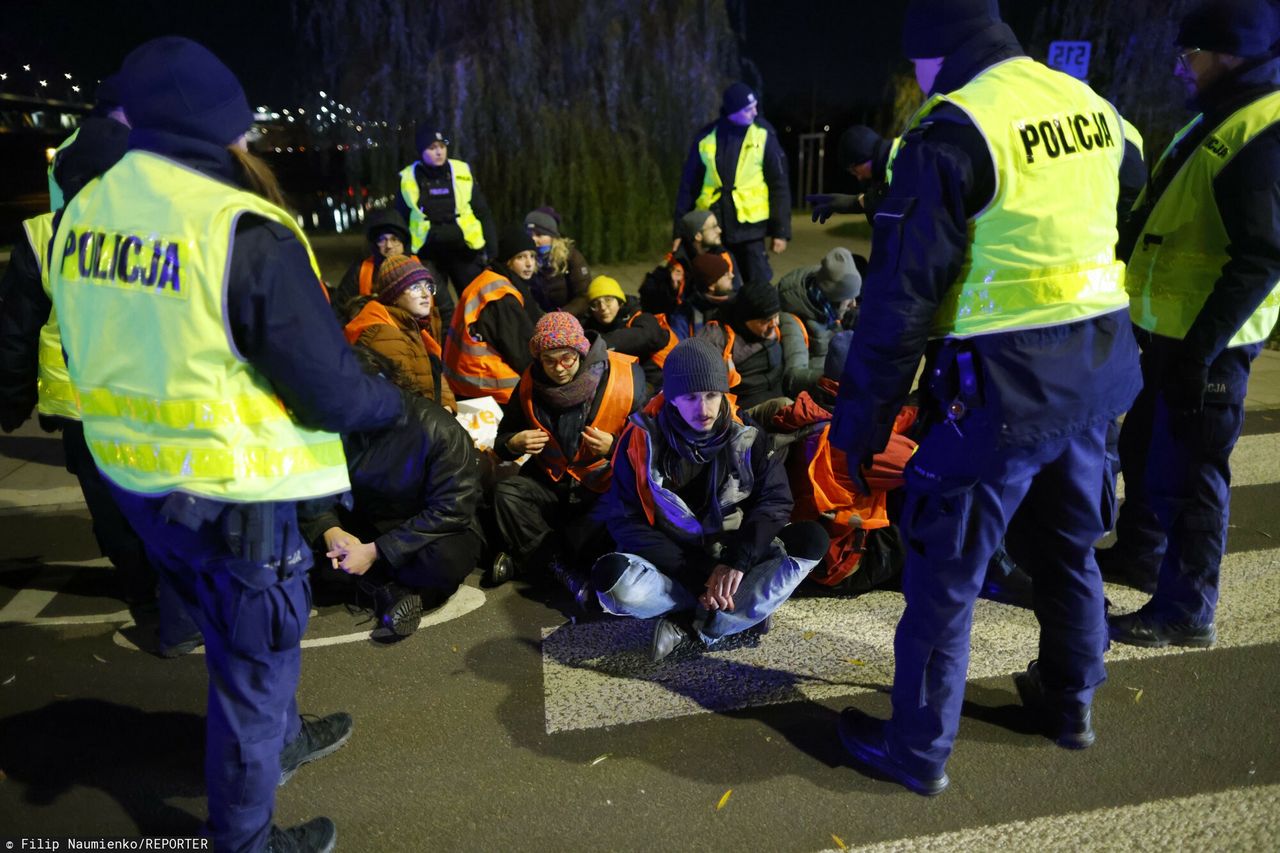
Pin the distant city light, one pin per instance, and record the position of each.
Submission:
(26, 68)
(49, 154)
(44, 82)
(68, 76)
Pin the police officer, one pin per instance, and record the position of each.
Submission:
(737, 169)
(1204, 263)
(205, 356)
(450, 226)
(993, 253)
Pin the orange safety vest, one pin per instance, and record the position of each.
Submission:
(473, 367)
(679, 280)
(591, 471)
(374, 313)
(660, 357)
(366, 277)
(730, 336)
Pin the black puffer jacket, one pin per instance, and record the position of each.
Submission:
(414, 482)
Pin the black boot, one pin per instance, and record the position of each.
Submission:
(399, 610)
(576, 583)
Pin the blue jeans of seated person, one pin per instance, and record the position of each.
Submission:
(644, 591)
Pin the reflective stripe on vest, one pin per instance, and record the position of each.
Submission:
(666, 510)
(750, 192)
(590, 470)
(1043, 251)
(660, 357)
(145, 248)
(55, 394)
(419, 225)
(472, 367)
(1183, 248)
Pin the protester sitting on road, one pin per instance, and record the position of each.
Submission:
(563, 275)
(696, 503)
(412, 533)
(487, 347)
(618, 319)
(399, 322)
(824, 297)
(388, 236)
(763, 348)
(710, 290)
(572, 403)
(697, 233)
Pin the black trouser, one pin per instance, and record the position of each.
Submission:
(455, 262)
(529, 511)
(437, 569)
(750, 260)
(115, 536)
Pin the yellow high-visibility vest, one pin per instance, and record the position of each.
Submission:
(53, 383)
(1042, 252)
(1183, 246)
(750, 193)
(463, 184)
(138, 276)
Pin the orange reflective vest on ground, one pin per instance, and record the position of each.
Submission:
(473, 367)
(591, 471)
(374, 313)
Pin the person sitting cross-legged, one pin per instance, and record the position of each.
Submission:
(698, 510)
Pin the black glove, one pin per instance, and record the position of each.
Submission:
(826, 205)
(12, 417)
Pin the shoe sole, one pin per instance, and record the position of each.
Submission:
(403, 619)
(286, 775)
(1184, 642)
(865, 762)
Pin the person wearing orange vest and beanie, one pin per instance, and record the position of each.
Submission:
(388, 235)
(699, 511)
(571, 405)
(399, 323)
(487, 347)
(618, 319)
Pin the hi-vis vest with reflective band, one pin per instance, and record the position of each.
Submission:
(750, 193)
(364, 284)
(1042, 253)
(473, 368)
(1183, 246)
(730, 336)
(140, 261)
(591, 471)
(53, 384)
(419, 225)
(666, 510)
(660, 357)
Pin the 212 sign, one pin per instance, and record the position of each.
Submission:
(1070, 57)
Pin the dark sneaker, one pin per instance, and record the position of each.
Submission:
(180, 648)
(1068, 724)
(399, 610)
(1120, 565)
(1137, 629)
(667, 637)
(317, 835)
(320, 736)
(863, 738)
(502, 570)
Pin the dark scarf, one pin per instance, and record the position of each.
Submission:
(689, 452)
(819, 300)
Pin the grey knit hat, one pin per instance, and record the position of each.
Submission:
(838, 276)
(691, 224)
(694, 366)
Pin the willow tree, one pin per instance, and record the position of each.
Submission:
(587, 105)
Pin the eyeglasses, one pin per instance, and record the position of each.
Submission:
(422, 288)
(1184, 59)
(601, 302)
(566, 361)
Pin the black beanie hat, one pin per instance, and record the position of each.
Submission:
(388, 221)
(737, 97)
(513, 240)
(426, 134)
(177, 85)
(1244, 28)
(936, 28)
(859, 144)
(694, 366)
(758, 300)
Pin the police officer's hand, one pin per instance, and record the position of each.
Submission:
(597, 441)
(777, 245)
(527, 441)
(11, 418)
(722, 585)
(824, 206)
